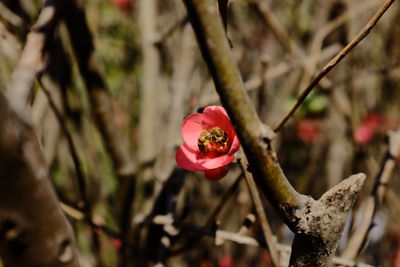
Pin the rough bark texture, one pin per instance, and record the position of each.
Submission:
(115, 141)
(33, 230)
(321, 223)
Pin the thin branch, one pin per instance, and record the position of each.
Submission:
(252, 133)
(101, 106)
(334, 61)
(10, 16)
(372, 203)
(81, 181)
(31, 220)
(214, 214)
(238, 238)
(277, 29)
(306, 217)
(270, 238)
(162, 36)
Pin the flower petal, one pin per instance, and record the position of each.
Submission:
(216, 174)
(235, 145)
(187, 159)
(194, 161)
(217, 116)
(191, 129)
(210, 161)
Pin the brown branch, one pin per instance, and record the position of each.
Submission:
(81, 181)
(334, 61)
(270, 238)
(214, 214)
(372, 203)
(252, 133)
(167, 31)
(317, 232)
(222, 236)
(31, 221)
(101, 106)
(277, 29)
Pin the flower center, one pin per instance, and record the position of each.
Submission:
(213, 140)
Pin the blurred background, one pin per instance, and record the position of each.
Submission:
(154, 74)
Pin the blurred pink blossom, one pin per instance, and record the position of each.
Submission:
(308, 131)
(226, 261)
(364, 132)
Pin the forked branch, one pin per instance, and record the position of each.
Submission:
(318, 223)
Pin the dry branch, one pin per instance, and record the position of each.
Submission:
(101, 106)
(333, 62)
(317, 224)
(372, 203)
(270, 238)
(31, 221)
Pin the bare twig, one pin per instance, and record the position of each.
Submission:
(310, 219)
(269, 237)
(74, 154)
(214, 214)
(114, 139)
(235, 237)
(8, 15)
(96, 222)
(180, 22)
(31, 220)
(277, 29)
(357, 240)
(333, 62)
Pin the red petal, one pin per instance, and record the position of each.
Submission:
(363, 134)
(216, 116)
(216, 174)
(235, 145)
(196, 161)
(191, 129)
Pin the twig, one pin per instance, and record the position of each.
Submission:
(74, 154)
(169, 30)
(101, 106)
(28, 204)
(8, 15)
(227, 195)
(277, 29)
(96, 222)
(357, 240)
(312, 218)
(333, 62)
(81, 181)
(236, 237)
(270, 238)
(316, 44)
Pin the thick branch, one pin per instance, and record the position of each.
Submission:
(116, 144)
(314, 222)
(31, 222)
(254, 136)
(323, 222)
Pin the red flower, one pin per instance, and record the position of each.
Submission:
(364, 132)
(226, 261)
(210, 143)
(124, 5)
(308, 131)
